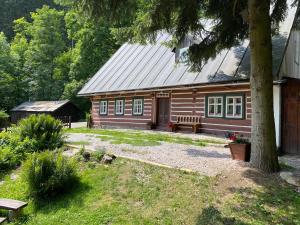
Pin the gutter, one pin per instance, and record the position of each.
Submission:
(245, 82)
(219, 84)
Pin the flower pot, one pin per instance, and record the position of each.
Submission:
(151, 126)
(240, 151)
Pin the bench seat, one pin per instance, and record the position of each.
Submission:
(11, 204)
(191, 121)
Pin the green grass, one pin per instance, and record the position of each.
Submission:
(139, 138)
(130, 192)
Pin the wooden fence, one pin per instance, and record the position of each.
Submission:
(66, 120)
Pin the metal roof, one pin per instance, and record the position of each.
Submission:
(40, 106)
(136, 67)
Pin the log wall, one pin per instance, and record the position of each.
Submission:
(182, 102)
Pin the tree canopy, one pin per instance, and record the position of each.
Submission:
(228, 21)
(51, 53)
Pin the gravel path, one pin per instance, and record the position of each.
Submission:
(210, 160)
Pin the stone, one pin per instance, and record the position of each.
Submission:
(13, 176)
(107, 159)
(291, 178)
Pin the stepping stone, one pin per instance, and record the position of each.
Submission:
(292, 178)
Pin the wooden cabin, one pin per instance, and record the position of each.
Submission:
(63, 110)
(153, 84)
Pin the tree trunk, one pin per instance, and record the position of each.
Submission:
(263, 142)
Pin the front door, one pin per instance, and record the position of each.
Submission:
(163, 112)
(291, 117)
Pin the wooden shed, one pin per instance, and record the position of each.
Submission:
(57, 109)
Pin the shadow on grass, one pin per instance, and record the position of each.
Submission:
(275, 202)
(74, 195)
(212, 216)
(272, 201)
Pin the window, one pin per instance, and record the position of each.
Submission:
(103, 107)
(296, 42)
(184, 55)
(119, 106)
(215, 106)
(137, 106)
(234, 107)
(230, 106)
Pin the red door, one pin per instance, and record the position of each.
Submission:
(291, 117)
(163, 112)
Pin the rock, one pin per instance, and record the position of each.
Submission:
(13, 176)
(86, 156)
(107, 159)
(291, 178)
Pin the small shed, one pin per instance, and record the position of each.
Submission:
(57, 109)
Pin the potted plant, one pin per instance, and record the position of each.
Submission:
(151, 125)
(240, 147)
(171, 127)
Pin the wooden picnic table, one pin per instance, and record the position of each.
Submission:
(14, 207)
(2, 219)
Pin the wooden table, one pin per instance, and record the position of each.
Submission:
(2, 219)
(14, 207)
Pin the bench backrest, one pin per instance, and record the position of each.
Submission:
(188, 119)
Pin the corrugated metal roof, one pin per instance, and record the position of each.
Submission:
(138, 67)
(40, 106)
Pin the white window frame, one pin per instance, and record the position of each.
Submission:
(119, 107)
(215, 106)
(183, 55)
(296, 43)
(234, 104)
(105, 111)
(137, 106)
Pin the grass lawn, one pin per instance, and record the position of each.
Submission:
(140, 138)
(130, 192)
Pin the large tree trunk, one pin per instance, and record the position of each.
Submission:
(263, 142)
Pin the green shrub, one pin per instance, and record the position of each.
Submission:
(48, 174)
(44, 129)
(12, 150)
(8, 160)
(3, 119)
(98, 155)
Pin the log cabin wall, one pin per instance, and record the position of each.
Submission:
(190, 101)
(193, 102)
(127, 120)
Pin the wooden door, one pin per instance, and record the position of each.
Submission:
(163, 112)
(291, 117)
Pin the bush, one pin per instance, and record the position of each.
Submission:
(8, 160)
(12, 150)
(3, 119)
(98, 155)
(48, 174)
(44, 129)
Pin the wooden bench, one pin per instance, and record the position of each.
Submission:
(2, 220)
(192, 121)
(14, 207)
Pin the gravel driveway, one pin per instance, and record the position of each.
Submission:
(210, 160)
